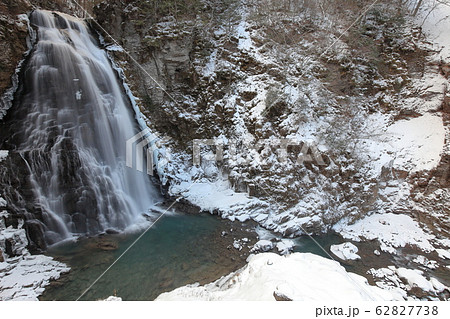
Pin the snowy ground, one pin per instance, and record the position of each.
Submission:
(298, 276)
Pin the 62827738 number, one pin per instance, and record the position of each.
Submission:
(407, 310)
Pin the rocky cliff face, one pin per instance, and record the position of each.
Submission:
(13, 34)
(252, 71)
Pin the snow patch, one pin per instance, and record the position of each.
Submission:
(345, 251)
(25, 277)
(424, 261)
(415, 279)
(443, 253)
(391, 230)
(408, 145)
(113, 298)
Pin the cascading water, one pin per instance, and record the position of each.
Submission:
(69, 123)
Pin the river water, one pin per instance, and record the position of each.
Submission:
(180, 249)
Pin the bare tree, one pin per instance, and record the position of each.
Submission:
(416, 10)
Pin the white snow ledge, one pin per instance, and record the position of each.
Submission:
(299, 276)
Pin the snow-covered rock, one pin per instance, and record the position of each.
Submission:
(25, 277)
(402, 280)
(443, 253)
(16, 237)
(391, 230)
(113, 298)
(298, 276)
(284, 246)
(345, 251)
(422, 260)
(215, 196)
(262, 245)
(3, 154)
(415, 278)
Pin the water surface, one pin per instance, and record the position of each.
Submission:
(180, 249)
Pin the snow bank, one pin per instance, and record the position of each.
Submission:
(391, 230)
(409, 145)
(443, 253)
(113, 298)
(402, 280)
(24, 277)
(218, 197)
(299, 276)
(210, 196)
(345, 251)
(415, 279)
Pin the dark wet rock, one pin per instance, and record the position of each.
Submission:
(35, 234)
(418, 292)
(107, 245)
(280, 296)
(445, 69)
(112, 231)
(9, 248)
(446, 103)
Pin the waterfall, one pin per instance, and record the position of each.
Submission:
(69, 122)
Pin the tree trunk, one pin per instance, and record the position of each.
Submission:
(417, 7)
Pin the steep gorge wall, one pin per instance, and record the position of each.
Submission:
(13, 33)
(365, 73)
(265, 69)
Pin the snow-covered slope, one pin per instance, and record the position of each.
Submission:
(390, 230)
(434, 18)
(299, 276)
